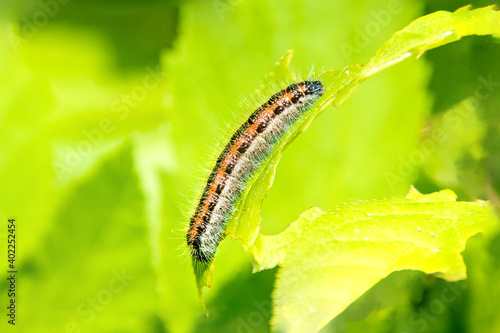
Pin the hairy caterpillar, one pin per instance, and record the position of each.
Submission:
(240, 158)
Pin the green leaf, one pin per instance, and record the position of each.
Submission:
(106, 255)
(422, 34)
(329, 259)
(431, 31)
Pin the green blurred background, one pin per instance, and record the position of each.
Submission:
(110, 110)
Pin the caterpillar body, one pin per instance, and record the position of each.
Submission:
(241, 157)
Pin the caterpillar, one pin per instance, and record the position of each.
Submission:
(240, 158)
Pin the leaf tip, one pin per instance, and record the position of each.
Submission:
(413, 193)
(203, 273)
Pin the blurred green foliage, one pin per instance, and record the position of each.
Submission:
(108, 109)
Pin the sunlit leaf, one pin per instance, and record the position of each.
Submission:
(329, 259)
